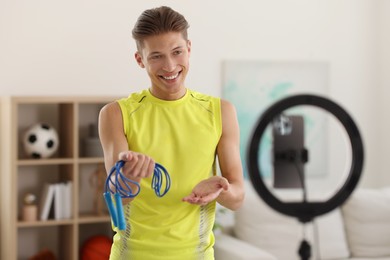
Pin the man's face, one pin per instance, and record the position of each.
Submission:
(166, 60)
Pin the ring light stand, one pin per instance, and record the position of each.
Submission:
(305, 211)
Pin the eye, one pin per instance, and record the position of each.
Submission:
(155, 57)
(177, 52)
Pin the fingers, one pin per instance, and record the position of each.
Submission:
(137, 165)
(207, 190)
(210, 197)
(202, 200)
(141, 166)
(192, 198)
(224, 184)
(125, 156)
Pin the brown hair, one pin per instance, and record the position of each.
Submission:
(157, 21)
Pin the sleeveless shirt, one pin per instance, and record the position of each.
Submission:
(182, 135)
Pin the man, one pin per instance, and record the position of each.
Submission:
(182, 130)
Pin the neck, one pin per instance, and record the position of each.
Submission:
(169, 96)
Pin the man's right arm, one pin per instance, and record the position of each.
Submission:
(111, 134)
(115, 146)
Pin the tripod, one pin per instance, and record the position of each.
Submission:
(304, 250)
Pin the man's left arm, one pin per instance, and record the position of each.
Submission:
(228, 151)
(228, 189)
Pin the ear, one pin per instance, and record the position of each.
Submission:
(138, 58)
(189, 47)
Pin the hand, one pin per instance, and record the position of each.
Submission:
(207, 190)
(136, 165)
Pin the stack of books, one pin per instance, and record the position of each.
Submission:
(56, 201)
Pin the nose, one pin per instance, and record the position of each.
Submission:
(169, 64)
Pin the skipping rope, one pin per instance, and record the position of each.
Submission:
(120, 188)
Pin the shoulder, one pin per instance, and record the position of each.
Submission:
(133, 98)
(114, 110)
(229, 116)
(201, 96)
(110, 112)
(208, 102)
(227, 107)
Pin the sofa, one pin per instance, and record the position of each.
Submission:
(357, 230)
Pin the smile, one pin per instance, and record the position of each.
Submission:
(171, 77)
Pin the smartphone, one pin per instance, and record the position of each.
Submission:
(289, 153)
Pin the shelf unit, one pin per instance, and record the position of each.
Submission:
(2, 157)
(72, 118)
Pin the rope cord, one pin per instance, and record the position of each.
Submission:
(119, 185)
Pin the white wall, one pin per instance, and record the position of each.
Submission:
(384, 54)
(85, 48)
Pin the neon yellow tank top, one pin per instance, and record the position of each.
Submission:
(182, 135)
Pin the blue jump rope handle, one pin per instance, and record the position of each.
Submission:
(111, 208)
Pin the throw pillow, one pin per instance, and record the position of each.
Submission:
(367, 220)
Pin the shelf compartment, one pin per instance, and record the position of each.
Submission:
(89, 143)
(32, 240)
(86, 231)
(32, 178)
(58, 115)
(91, 188)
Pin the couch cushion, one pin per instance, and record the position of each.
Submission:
(258, 224)
(367, 220)
(229, 248)
(370, 258)
(331, 236)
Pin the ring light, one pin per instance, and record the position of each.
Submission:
(306, 211)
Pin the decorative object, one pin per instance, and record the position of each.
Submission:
(253, 85)
(30, 209)
(40, 141)
(93, 147)
(97, 180)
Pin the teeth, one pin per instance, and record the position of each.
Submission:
(171, 77)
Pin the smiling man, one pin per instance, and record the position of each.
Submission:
(181, 129)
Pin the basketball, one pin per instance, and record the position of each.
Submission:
(96, 248)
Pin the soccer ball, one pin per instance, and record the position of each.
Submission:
(40, 141)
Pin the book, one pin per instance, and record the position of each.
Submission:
(58, 199)
(67, 200)
(47, 200)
